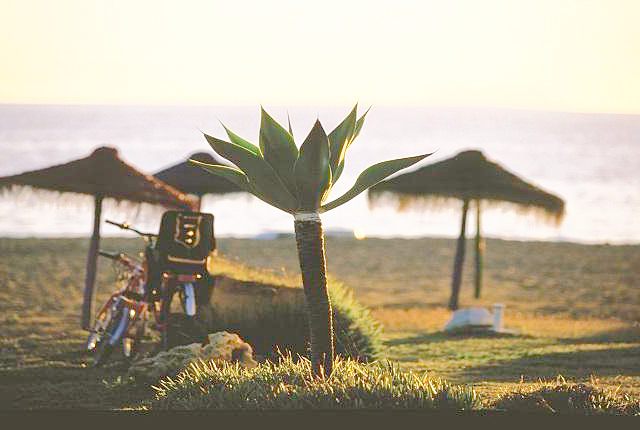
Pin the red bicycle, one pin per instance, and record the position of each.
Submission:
(123, 318)
(149, 288)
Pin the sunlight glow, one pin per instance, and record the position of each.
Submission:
(578, 55)
(359, 234)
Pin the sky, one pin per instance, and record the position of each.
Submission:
(567, 55)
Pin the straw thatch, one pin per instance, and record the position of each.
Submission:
(195, 180)
(466, 176)
(103, 173)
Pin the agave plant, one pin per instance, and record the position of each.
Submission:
(298, 181)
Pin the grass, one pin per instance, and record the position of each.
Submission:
(576, 308)
(268, 311)
(290, 384)
(540, 278)
(561, 397)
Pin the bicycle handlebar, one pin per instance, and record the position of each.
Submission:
(125, 226)
(119, 257)
(110, 255)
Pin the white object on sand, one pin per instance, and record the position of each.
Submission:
(498, 313)
(470, 317)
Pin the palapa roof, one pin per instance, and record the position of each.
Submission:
(101, 173)
(195, 180)
(468, 175)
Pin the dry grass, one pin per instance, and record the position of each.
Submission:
(562, 397)
(544, 347)
(540, 278)
(544, 326)
(576, 307)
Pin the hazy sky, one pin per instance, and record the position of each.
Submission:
(576, 55)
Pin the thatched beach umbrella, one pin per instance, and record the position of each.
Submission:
(191, 179)
(468, 176)
(102, 174)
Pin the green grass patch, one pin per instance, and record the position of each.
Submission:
(268, 311)
(290, 384)
(561, 397)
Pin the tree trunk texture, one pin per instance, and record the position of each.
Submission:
(479, 252)
(310, 243)
(456, 279)
(92, 266)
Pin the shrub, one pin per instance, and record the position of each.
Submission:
(268, 311)
(290, 384)
(560, 397)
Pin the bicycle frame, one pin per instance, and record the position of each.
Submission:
(130, 298)
(146, 290)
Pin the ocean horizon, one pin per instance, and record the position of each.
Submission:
(590, 160)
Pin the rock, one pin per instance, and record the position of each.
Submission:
(470, 317)
(220, 346)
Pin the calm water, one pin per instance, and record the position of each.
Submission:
(592, 161)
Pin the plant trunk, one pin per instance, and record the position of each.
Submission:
(310, 242)
(92, 266)
(459, 260)
(479, 252)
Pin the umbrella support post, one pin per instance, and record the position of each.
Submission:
(479, 252)
(92, 266)
(459, 259)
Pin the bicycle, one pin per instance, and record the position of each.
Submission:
(124, 315)
(149, 286)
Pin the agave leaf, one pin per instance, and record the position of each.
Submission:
(339, 139)
(289, 122)
(312, 169)
(237, 177)
(261, 175)
(371, 176)
(338, 171)
(359, 125)
(231, 174)
(234, 138)
(279, 149)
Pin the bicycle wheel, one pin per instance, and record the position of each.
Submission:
(115, 330)
(165, 308)
(140, 333)
(100, 324)
(193, 327)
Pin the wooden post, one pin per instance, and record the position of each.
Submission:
(479, 252)
(459, 259)
(197, 203)
(92, 266)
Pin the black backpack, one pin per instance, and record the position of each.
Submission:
(185, 241)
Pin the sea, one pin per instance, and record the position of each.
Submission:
(592, 161)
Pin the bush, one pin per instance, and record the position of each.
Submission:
(560, 397)
(268, 311)
(290, 384)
